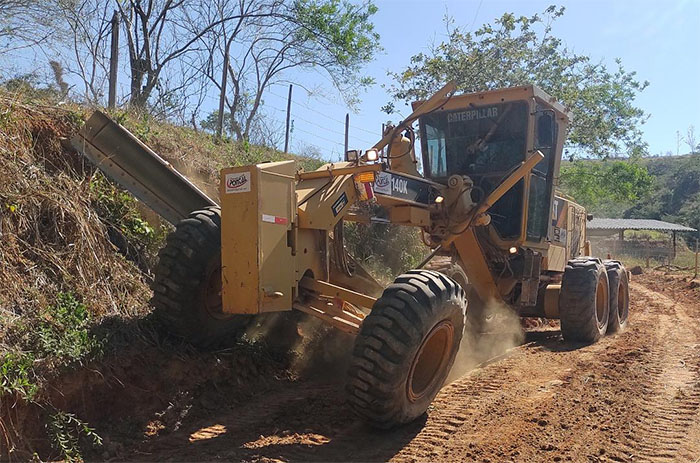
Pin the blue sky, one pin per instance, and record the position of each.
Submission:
(660, 40)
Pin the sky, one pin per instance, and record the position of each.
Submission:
(660, 40)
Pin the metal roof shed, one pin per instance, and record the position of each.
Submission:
(613, 225)
(602, 227)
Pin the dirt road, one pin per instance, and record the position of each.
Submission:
(634, 396)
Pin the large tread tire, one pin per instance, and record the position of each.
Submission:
(584, 302)
(619, 295)
(186, 278)
(479, 320)
(406, 348)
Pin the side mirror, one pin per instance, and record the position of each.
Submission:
(589, 217)
(544, 129)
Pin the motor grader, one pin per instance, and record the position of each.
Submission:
(484, 202)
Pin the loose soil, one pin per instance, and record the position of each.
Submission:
(633, 396)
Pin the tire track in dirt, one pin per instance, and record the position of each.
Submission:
(670, 404)
(633, 396)
(670, 395)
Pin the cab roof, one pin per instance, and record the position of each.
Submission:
(502, 95)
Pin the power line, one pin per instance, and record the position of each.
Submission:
(333, 131)
(322, 114)
(318, 136)
(475, 15)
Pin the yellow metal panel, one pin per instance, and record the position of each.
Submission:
(240, 236)
(551, 301)
(311, 254)
(307, 188)
(277, 205)
(410, 215)
(257, 207)
(556, 258)
(322, 210)
(475, 266)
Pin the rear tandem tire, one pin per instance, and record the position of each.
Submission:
(187, 285)
(406, 348)
(619, 295)
(584, 302)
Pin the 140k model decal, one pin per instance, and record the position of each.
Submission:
(398, 186)
(386, 184)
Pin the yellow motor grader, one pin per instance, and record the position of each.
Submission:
(484, 202)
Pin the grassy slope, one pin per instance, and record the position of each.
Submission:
(75, 250)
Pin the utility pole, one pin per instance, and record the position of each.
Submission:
(347, 128)
(289, 112)
(382, 136)
(696, 259)
(113, 62)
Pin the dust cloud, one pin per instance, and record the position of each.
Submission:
(315, 348)
(500, 331)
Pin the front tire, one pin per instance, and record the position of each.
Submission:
(479, 319)
(187, 285)
(406, 348)
(584, 302)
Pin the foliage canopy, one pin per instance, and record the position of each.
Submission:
(520, 50)
(608, 186)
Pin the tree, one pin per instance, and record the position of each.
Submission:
(264, 131)
(23, 24)
(522, 50)
(176, 50)
(609, 186)
(330, 36)
(691, 140)
(676, 193)
(85, 29)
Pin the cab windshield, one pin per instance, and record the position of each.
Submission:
(485, 143)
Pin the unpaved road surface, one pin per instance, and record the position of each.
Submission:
(633, 396)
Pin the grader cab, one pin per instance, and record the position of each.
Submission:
(484, 202)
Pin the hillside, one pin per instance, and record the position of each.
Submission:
(674, 193)
(76, 254)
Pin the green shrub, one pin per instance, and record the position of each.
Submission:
(63, 334)
(66, 430)
(16, 375)
(118, 208)
(136, 239)
(386, 250)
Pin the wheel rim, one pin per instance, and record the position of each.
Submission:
(430, 360)
(211, 291)
(601, 298)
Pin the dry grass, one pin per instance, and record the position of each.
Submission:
(57, 236)
(52, 239)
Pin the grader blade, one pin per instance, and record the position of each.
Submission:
(135, 167)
